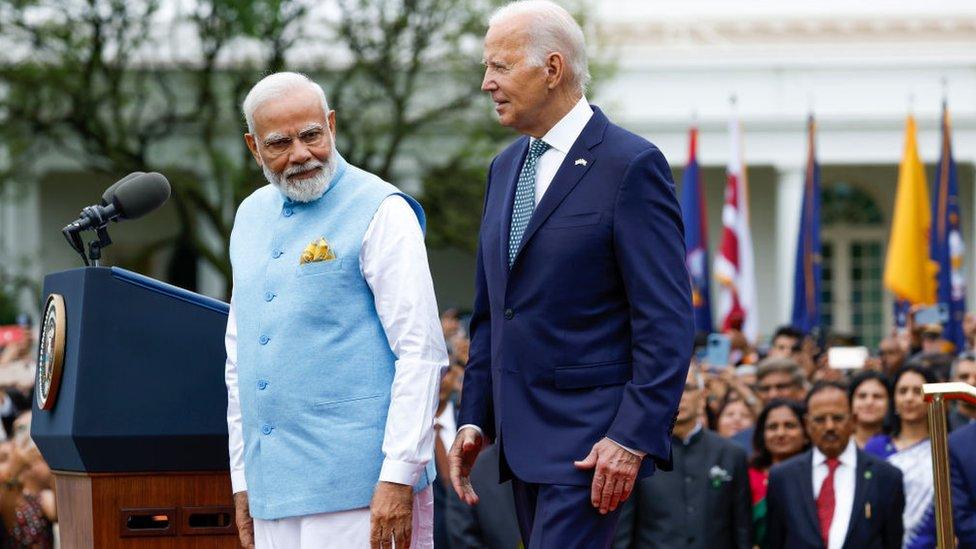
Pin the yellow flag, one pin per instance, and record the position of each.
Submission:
(909, 271)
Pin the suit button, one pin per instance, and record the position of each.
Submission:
(287, 212)
(268, 296)
(509, 314)
(276, 254)
(266, 429)
(264, 340)
(262, 385)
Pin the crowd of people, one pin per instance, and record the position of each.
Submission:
(28, 513)
(777, 448)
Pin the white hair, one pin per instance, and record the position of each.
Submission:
(274, 85)
(552, 29)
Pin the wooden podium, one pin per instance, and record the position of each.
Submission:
(130, 412)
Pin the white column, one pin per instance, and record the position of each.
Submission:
(789, 205)
(20, 242)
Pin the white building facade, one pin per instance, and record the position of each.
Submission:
(859, 66)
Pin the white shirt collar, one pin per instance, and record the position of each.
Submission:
(562, 136)
(847, 457)
(694, 431)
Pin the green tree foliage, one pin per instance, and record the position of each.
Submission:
(123, 85)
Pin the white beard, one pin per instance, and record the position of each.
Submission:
(302, 190)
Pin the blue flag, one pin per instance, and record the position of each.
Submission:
(696, 238)
(946, 240)
(807, 276)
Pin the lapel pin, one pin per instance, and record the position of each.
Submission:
(580, 162)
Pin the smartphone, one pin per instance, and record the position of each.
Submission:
(847, 358)
(717, 351)
(936, 314)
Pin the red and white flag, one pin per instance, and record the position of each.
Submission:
(734, 266)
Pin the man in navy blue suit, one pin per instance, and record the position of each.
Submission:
(962, 448)
(582, 328)
(834, 496)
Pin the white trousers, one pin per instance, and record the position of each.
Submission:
(341, 530)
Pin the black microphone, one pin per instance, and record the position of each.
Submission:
(133, 196)
(110, 192)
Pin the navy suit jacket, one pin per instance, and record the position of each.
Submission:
(590, 332)
(792, 510)
(962, 464)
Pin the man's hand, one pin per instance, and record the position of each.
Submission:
(245, 524)
(464, 452)
(614, 475)
(391, 516)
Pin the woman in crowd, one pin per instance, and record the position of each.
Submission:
(909, 448)
(870, 397)
(734, 416)
(27, 502)
(779, 436)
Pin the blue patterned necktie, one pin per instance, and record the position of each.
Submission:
(524, 198)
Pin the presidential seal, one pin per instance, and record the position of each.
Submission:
(50, 353)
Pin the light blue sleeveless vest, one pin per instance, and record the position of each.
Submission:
(314, 365)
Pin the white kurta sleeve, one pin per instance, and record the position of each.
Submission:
(235, 433)
(394, 264)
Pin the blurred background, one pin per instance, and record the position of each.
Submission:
(91, 90)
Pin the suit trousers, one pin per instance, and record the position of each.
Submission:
(342, 529)
(554, 516)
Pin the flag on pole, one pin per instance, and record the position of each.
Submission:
(734, 268)
(946, 240)
(696, 237)
(909, 271)
(807, 276)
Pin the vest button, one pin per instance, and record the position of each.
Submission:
(287, 212)
(268, 296)
(262, 385)
(264, 340)
(276, 254)
(509, 314)
(266, 429)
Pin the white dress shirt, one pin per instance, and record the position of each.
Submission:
(844, 483)
(393, 261)
(560, 138)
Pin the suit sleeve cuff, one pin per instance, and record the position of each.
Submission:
(637, 453)
(472, 426)
(400, 472)
(237, 482)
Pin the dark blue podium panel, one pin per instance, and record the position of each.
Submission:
(142, 387)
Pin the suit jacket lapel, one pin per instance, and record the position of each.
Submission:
(509, 176)
(806, 490)
(569, 174)
(860, 495)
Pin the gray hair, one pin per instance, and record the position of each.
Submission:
(552, 29)
(781, 366)
(965, 356)
(274, 85)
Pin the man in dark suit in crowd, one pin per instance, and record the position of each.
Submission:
(704, 502)
(582, 328)
(962, 465)
(834, 496)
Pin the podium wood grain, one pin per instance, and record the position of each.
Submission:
(92, 509)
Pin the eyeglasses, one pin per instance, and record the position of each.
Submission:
(277, 144)
(778, 386)
(821, 420)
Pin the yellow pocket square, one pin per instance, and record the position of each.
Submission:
(318, 250)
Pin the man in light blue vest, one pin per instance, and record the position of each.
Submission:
(334, 348)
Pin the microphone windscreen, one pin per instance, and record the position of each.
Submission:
(109, 193)
(141, 195)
